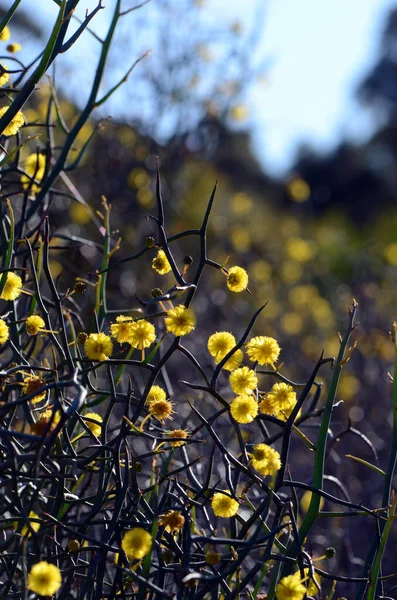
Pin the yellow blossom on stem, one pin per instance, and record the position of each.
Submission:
(237, 279)
(12, 288)
(98, 346)
(172, 521)
(279, 402)
(264, 350)
(220, 343)
(265, 459)
(44, 579)
(5, 34)
(121, 329)
(15, 124)
(243, 381)
(31, 383)
(34, 324)
(94, 423)
(136, 543)
(290, 588)
(234, 361)
(177, 433)
(180, 320)
(142, 334)
(161, 264)
(312, 589)
(45, 417)
(161, 409)
(34, 172)
(156, 393)
(223, 505)
(4, 333)
(244, 409)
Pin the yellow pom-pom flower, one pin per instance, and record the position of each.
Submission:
(220, 343)
(15, 124)
(142, 334)
(34, 324)
(177, 433)
(155, 394)
(234, 361)
(224, 506)
(5, 34)
(160, 263)
(12, 288)
(312, 588)
(280, 401)
(4, 333)
(94, 423)
(237, 279)
(180, 320)
(264, 350)
(31, 384)
(98, 346)
(34, 172)
(290, 588)
(121, 329)
(265, 459)
(4, 76)
(243, 381)
(44, 579)
(33, 524)
(172, 521)
(244, 409)
(161, 409)
(136, 543)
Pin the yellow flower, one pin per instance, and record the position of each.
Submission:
(220, 343)
(98, 346)
(121, 329)
(306, 499)
(237, 279)
(243, 380)
(244, 409)
(223, 505)
(280, 401)
(265, 459)
(172, 521)
(31, 384)
(45, 417)
(34, 324)
(44, 579)
(155, 394)
(136, 543)
(34, 168)
(180, 320)
(234, 361)
(312, 589)
(161, 409)
(4, 333)
(4, 76)
(177, 433)
(94, 424)
(12, 288)
(33, 525)
(16, 122)
(160, 263)
(14, 47)
(212, 558)
(142, 334)
(290, 588)
(265, 350)
(5, 34)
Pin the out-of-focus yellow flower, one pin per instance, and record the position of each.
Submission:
(5, 34)
(261, 271)
(391, 254)
(4, 333)
(34, 324)
(299, 249)
(44, 579)
(239, 113)
(142, 334)
(244, 409)
(121, 329)
(160, 263)
(98, 346)
(265, 459)
(306, 499)
(14, 47)
(237, 279)
(12, 288)
(34, 525)
(136, 543)
(291, 323)
(290, 588)
(291, 271)
(34, 172)
(180, 320)
(45, 417)
(264, 350)
(4, 75)
(348, 387)
(212, 558)
(243, 381)
(79, 213)
(178, 433)
(298, 189)
(139, 178)
(93, 422)
(241, 204)
(31, 383)
(224, 506)
(15, 124)
(241, 238)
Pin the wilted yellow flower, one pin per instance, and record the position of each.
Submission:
(264, 350)
(34, 324)
(180, 320)
(34, 171)
(178, 433)
(5, 34)
(244, 409)
(237, 279)
(94, 424)
(14, 47)
(161, 409)
(265, 459)
(290, 588)
(142, 334)
(45, 417)
(155, 394)
(136, 543)
(243, 380)
(12, 288)
(160, 263)
(223, 505)
(4, 333)
(31, 384)
(98, 346)
(220, 343)
(172, 521)
(44, 579)
(16, 122)
(121, 329)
